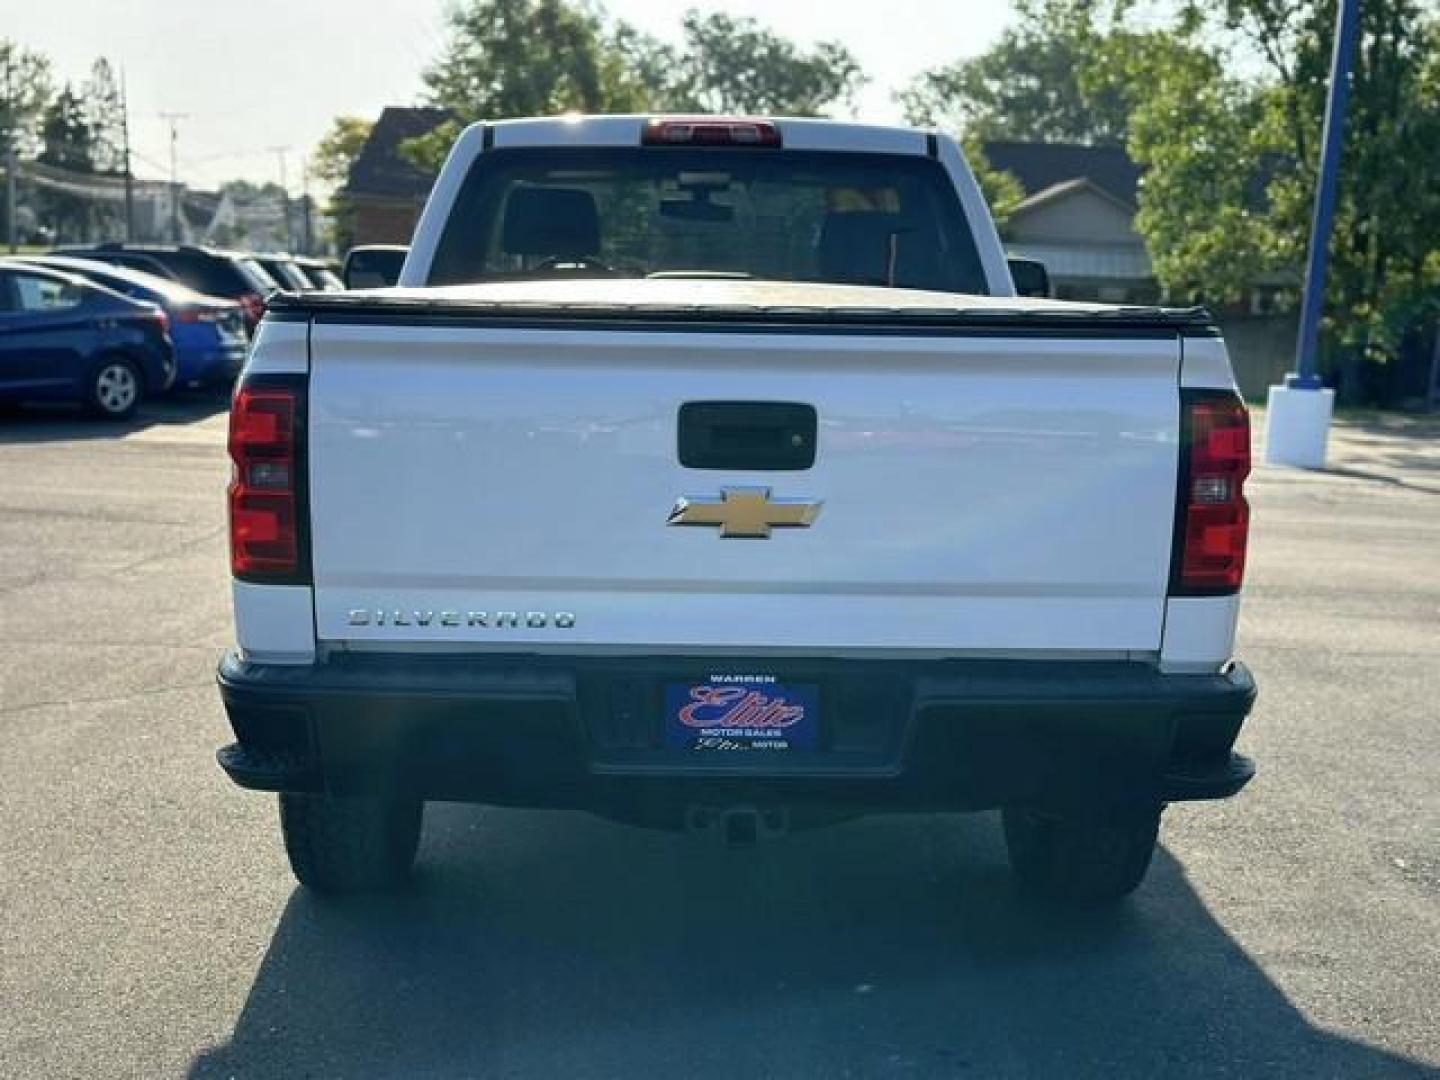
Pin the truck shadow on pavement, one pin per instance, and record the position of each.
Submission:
(547, 945)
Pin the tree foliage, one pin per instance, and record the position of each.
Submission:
(1029, 85)
(66, 135)
(337, 151)
(507, 58)
(1002, 191)
(330, 165)
(25, 90)
(1222, 104)
(104, 110)
(1247, 151)
(67, 142)
(736, 65)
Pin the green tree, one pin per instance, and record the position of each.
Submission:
(1202, 138)
(518, 58)
(540, 57)
(337, 151)
(736, 65)
(105, 113)
(1231, 163)
(1002, 191)
(330, 165)
(1029, 84)
(25, 90)
(67, 142)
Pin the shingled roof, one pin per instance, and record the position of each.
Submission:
(1040, 166)
(380, 171)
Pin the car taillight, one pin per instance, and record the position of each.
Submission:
(158, 316)
(199, 315)
(267, 482)
(1213, 519)
(710, 131)
(253, 304)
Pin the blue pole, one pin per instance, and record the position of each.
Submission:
(1347, 32)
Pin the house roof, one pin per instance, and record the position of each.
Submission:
(1042, 166)
(1065, 189)
(380, 170)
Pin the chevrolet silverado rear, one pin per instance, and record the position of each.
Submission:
(707, 474)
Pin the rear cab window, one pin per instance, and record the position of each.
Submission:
(840, 217)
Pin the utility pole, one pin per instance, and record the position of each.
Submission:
(280, 152)
(307, 233)
(129, 176)
(173, 119)
(1298, 418)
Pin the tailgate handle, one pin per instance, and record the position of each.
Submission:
(756, 435)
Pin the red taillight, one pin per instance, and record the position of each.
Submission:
(265, 484)
(710, 131)
(253, 305)
(199, 315)
(1214, 519)
(158, 315)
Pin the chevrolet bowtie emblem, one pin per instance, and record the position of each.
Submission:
(746, 512)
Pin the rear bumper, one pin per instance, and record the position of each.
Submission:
(584, 733)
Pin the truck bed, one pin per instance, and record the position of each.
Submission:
(493, 467)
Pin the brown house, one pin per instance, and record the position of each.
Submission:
(386, 191)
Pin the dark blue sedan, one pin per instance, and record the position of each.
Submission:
(64, 338)
(208, 331)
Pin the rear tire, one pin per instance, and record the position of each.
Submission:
(1080, 858)
(115, 389)
(340, 845)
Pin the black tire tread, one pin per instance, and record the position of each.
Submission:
(339, 845)
(1084, 858)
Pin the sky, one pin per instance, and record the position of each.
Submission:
(258, 81)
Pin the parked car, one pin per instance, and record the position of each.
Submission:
(234, 275)
(63, 338)
(371, 266)
(644, 501)
(321, 274)
(208, 331)
(284, 270)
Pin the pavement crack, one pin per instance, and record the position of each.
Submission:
(105, 699)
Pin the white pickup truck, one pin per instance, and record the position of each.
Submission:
(709, 474)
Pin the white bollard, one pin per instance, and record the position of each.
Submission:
(1297, 426)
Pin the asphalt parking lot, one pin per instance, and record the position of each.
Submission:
(149, 926)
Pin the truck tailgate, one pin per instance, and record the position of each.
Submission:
(481, 487)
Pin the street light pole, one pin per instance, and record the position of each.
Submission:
(174, 119)
(129, 175)
(1297, 422)
(279, 152)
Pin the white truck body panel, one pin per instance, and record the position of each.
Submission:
(982, 495)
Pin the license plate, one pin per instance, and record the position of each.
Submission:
(742, 712)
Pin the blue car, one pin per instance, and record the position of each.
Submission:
(63, 338)
(208, 331)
